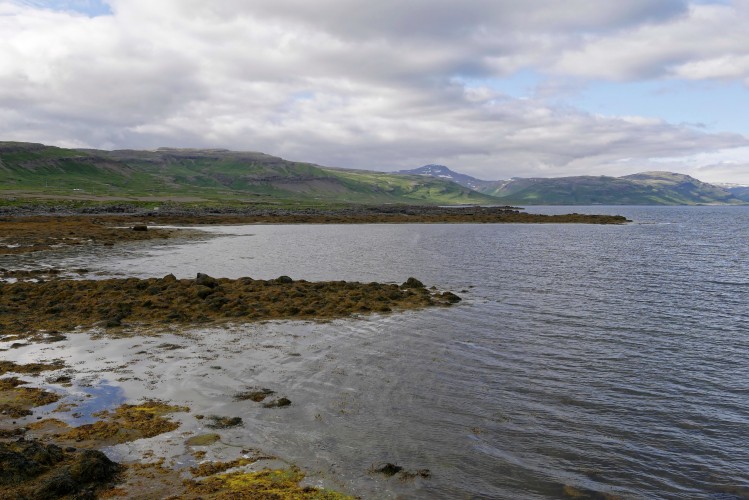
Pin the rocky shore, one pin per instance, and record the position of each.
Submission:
(33, 308)
(352, 214)
(50, 458)
(36, 228)
(43, 456)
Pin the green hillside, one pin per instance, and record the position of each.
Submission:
(648, 188)
(36, 168)
(209, 175)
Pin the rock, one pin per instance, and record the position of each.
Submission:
(140, 227)
(203, 291)
(203, 440)
(30, 469)
(412, 283)
(388, 469)
(284, 279)
(278, 403)
(205, 280)
(256, 395)
(224, 422)
(450, 297)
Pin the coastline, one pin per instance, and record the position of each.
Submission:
(43, 308)
(35, 228)
(41, 408)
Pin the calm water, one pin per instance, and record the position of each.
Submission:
(608, 358)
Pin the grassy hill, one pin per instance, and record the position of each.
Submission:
(209, 175)
(223, 176)
(647, 188)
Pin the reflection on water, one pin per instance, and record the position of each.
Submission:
(600, 358)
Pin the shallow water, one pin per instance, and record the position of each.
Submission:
(609, 358)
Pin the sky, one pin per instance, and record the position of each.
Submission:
(491, 88)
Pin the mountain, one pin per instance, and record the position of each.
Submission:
(252, 177)
(737, 190)
(210, 174)
(646, 188)
(442, 172)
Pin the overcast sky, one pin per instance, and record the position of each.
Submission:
(491, 88)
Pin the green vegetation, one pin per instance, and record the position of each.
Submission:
(648, 188)
(207, 176)
(222, 177)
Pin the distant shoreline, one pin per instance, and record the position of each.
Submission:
(32, 229)
(125, 214)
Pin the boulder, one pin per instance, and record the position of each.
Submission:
(412, 283)
(205, 280)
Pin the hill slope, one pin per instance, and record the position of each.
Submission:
(210, 174)
(740, 192)
(647, 188)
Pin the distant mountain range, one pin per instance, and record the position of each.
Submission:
(646, 188)
(220, 175)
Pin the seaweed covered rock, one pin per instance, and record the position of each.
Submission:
(205, 280)
(412, 283)
(30, 469)
(450, 298)
(151, 302)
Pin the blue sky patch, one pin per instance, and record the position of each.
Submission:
(91, 8)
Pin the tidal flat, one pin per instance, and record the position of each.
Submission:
(69, 345)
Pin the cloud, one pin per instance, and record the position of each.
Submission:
(707, 42)
(380, 85)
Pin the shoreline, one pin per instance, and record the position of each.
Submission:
(23, 232)
(43, 308)
(40, 401)
(353, 214)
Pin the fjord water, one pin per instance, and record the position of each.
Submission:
(605, 358)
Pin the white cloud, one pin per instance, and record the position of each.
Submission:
(358, 84)
(709, 41)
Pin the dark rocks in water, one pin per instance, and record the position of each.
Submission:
(62, 379)
(412, 283)
(278, 403)
(256, 395)
(30, 469)
(224, 422)
(140, 227)
(388, 469)
(284, 279)
(450, 297)
(422, 473)
(205, 280)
